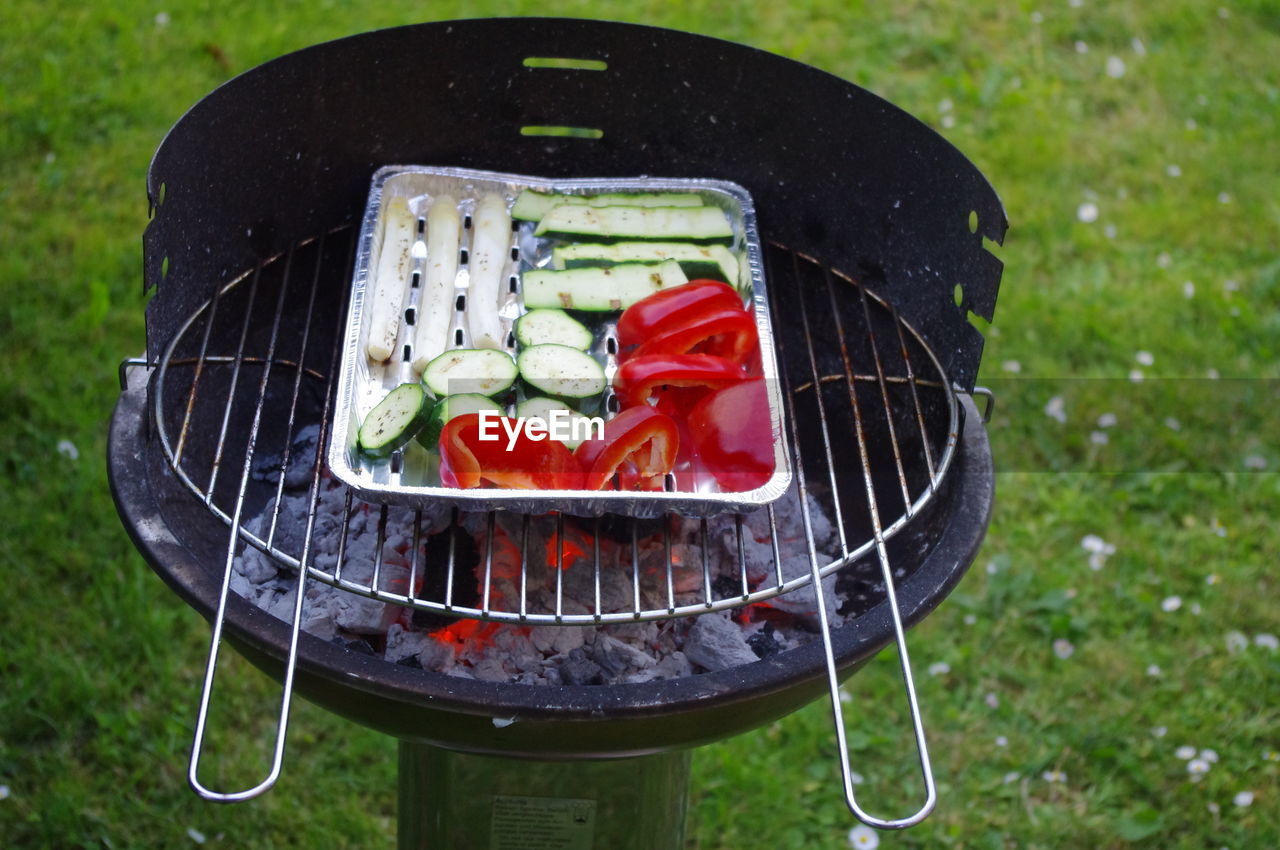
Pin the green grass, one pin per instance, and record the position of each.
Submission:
(101, 663)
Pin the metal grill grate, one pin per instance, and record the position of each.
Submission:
(873, 424)
(856, 379)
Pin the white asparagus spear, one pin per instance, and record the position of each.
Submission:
(391, 279)
(490, 242)
(435, 308)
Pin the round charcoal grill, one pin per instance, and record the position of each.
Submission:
(873, 229)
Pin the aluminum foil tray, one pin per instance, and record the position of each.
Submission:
(411, 476)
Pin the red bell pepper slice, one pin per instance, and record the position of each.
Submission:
(672, 306)
(733, 330)
(638, 435)
(732, 434)
(640, 376)
(466, 460)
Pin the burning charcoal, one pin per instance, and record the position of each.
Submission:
(436, 656)
(302, 459)
(490, 670)
(410, 661)
(403, 644)
(557, 640)
(616, 656)
(726, 587)
(716, 643)
(577, 669)
(763, 643)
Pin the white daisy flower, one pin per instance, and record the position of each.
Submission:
(939, 668)
(1224, 198)
(1159, 731)
(1002, 741)
(1212, 578)
(1053, 776)
(196, 835)
(856, 778)
(1171, 603)
(1087, 212)
(1115, 67)
(970, 619)
(68, 449)
(1145, 358)
(1081, 47)
(1198, 768)
(945, 105)
(1270, 755)
(1257, 462)
(864, 837)
(1136, 375)
(991, 700)
(1266, 641)
(1109, 231)
(1185, 752)
(1097, 560)
(1212, 374)
(1056, 408)
(1138, 47)
(1214, 808)
(1244, 799)
(948, 121)
(1063, 648)
(1099, 438)
(1173, 170)
(1010, 777)
(1236, 642)
(1011, 366)
(1153, 670)
(4, 792)
(1188, 289)
(1107, 420)
(1172, 424)
(1164, 259)
(1210, 756)
(1195, 608)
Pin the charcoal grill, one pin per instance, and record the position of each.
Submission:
(874, 229)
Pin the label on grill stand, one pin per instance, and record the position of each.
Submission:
(542, 823)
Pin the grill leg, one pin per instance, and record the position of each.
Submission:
(450, 800)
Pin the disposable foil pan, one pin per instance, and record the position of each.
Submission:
(411, 476)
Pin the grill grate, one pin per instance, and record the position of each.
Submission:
(855, 378)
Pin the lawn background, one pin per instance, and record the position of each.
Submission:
(1135, 147)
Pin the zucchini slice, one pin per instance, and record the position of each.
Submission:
(451, 406)
(697, 261)
(532, 205)
(394, 421)
(470, 370)
(561, 372)
(542, 326)
(598, 289)
(693, 224)
(541, 407)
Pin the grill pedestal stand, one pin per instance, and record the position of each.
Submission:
(450, 799)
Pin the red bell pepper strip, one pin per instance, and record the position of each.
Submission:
(466, 460)
(672, 306)
(639, 435)
(733, 330)
(732, 434)
(640, 376)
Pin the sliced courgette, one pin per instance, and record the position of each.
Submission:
(470, 370)
(451, 406)
(697, 261)
(561, 372)
(551, 411)
(556, 326)
(596, 289)
(694, 224)
(532, 205)
(394, 421)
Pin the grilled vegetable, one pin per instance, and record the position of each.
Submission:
(561, 371)
(469, 460)
(435, 306)
(733, 435)
(639, 377)
(694, 224)
(532, 205)
(697, 261)
(470, 370)
(639, 435)
(541, 407)
(662, 310)
(490, 247)
(452, 406)
(391, 279)
(599, 289)
(727, 331)
(394, 421)
(552, 326)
